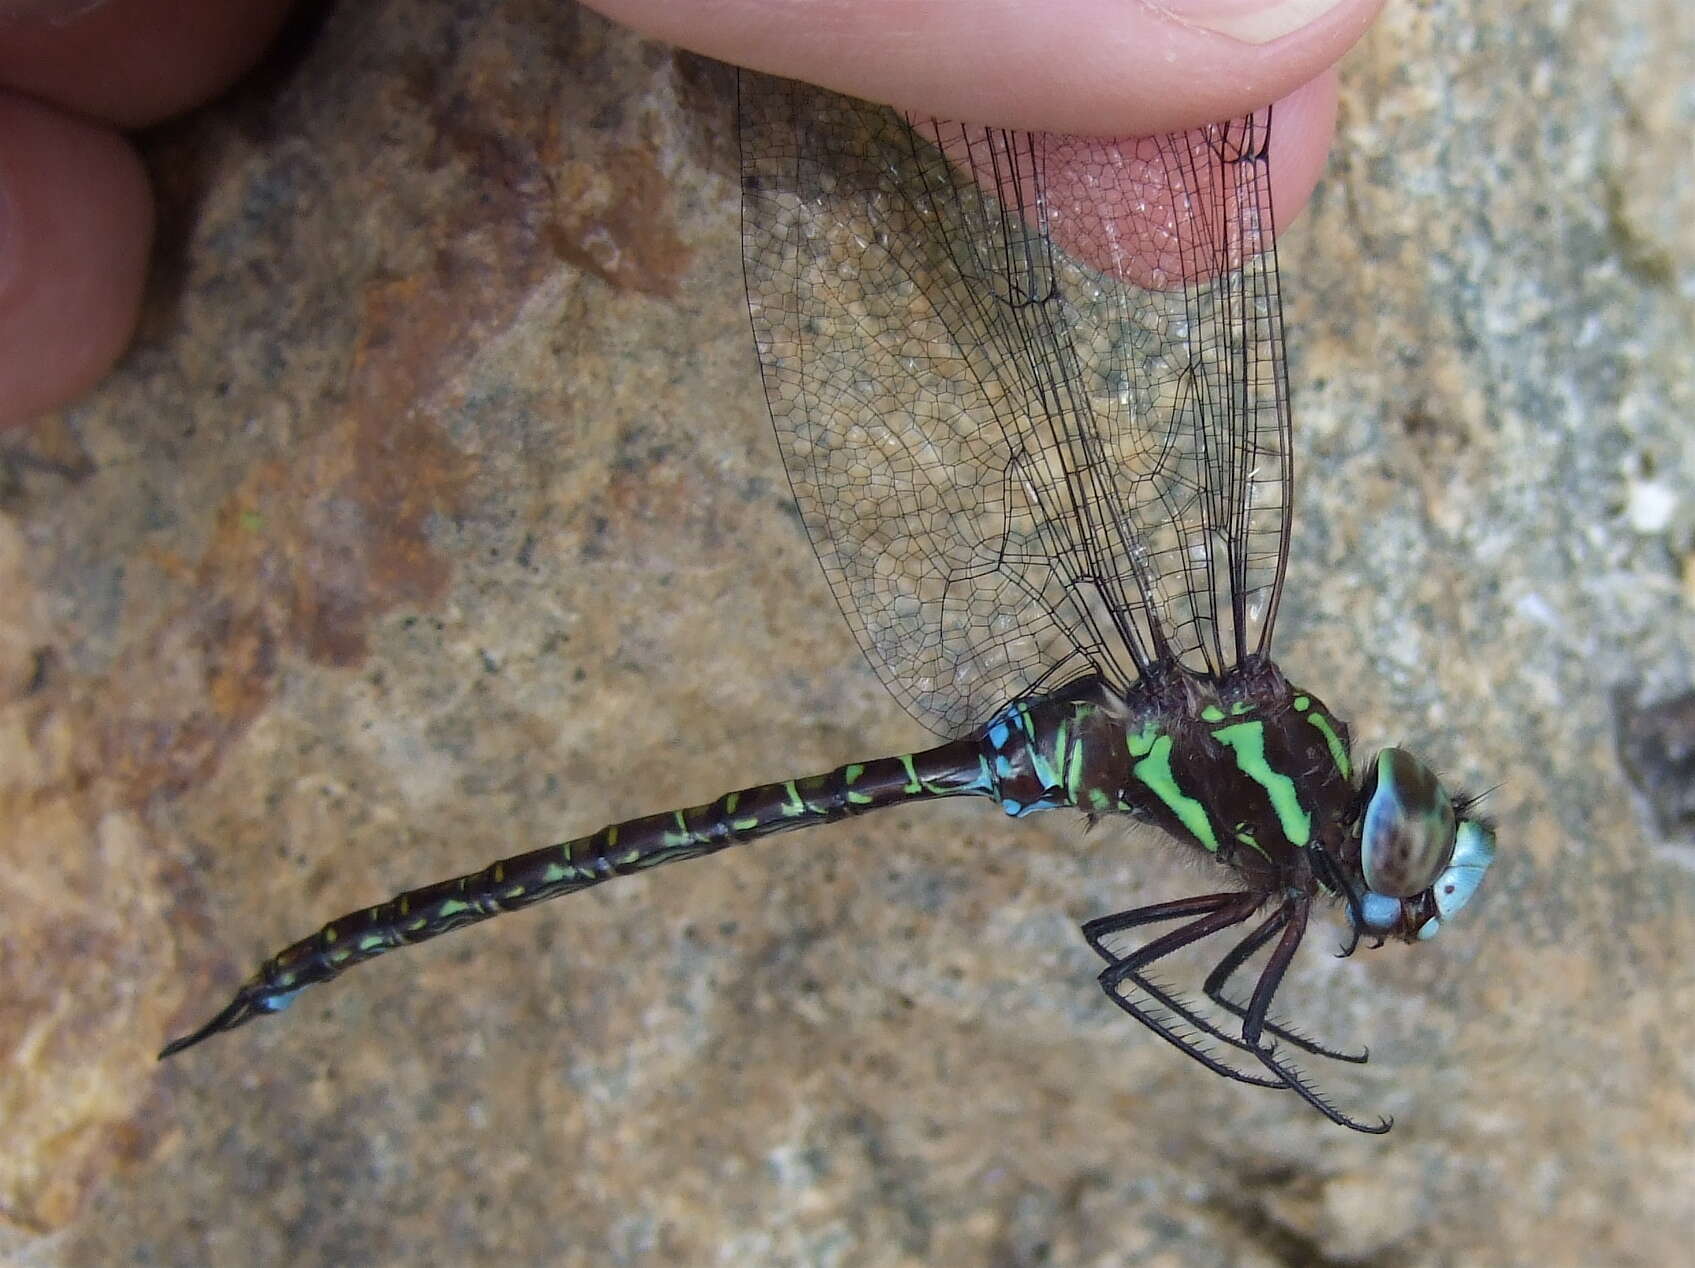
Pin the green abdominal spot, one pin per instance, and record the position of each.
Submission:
(913, 784)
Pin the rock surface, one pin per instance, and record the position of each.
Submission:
(436, 515)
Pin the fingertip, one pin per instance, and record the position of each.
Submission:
(135, 62)
(1086, 67)
(76, 221)
(1304, 123)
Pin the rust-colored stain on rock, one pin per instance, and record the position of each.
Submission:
(305, 554)
(614, 221)
(300, 558)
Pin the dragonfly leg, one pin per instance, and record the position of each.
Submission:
(1291, 1078)
(1179, 1024)
(1238, 956)
(1096, 931)
(1294, 926)
(1330, 875)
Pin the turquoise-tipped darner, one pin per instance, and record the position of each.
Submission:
(1031, 394)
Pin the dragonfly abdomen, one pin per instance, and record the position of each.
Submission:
(634, 845)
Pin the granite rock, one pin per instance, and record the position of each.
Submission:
(435, 515)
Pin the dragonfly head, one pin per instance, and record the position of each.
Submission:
(1421, 852)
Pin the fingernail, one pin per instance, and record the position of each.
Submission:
(56, 12)
(8, 253)
(1250, 21)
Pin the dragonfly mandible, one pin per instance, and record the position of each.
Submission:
(1031, 394)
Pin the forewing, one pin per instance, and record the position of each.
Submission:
(1029, 390)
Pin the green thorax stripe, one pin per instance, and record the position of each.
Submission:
(1332, 740)
(1154, 770)
(1247, 741)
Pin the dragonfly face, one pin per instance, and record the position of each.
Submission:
(1420, 855)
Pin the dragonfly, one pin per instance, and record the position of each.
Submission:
(1031, 394)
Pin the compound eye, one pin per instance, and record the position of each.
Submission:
(1474, 851)
(1407, 835)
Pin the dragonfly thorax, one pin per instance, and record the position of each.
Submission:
(1244, 766)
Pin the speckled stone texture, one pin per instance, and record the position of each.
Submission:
(436, 515)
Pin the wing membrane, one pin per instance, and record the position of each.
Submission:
(1029, 390)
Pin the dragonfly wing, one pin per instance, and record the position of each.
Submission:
(1029, 390)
